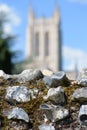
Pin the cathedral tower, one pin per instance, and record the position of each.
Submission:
(44, 41)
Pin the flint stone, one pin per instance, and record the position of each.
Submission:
(59, 113)
(56, 79)
(46, 127)
(28, 75)
(54, 113)
(47, 110)
(49, 82)
(47, 72)
(16, 113)
(82, 78)
(80, 94)
(56, 95)
(18, 93)
(4, 75)
(82, 117)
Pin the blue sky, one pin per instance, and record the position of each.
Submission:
(73, 26)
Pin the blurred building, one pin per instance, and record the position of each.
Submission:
(43, 48)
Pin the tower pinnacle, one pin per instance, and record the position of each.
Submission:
(31, 12)
(56, 13)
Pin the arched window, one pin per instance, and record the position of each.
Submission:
(37, 44)
(46, 44)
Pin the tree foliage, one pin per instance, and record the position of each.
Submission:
(5, 46)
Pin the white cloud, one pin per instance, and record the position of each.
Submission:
(78, 1)
(14, 19)
(74, 56)
(7, 28)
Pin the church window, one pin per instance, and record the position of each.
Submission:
(46, 44)
(37, 45)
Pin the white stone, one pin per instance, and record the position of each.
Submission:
(59, 113)
(18, 93)
(16, 113)
(60, 75)
(82, 78)
(80, 94)
(82, 117)
(4, 75)
(47, 72)
(54, 113)
(46, 127)
(56, 79)
(28, 75)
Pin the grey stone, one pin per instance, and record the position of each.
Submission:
(56, 79)
(61, 75)
(48, 111)
(82, 78)
(80, 94)
(29, 75)
(56, 95)
(54, 113)
(16, 113)
(82, 117)
(46, 127)
(18, 93)
(49, 82)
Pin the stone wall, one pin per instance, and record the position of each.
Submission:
(43, 100)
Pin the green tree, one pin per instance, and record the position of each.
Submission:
(6, 40)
